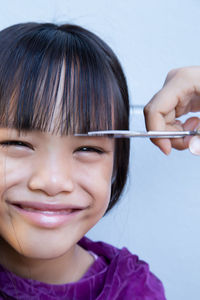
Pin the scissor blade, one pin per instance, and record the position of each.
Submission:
(149, 134)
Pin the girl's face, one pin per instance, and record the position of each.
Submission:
(53, 189)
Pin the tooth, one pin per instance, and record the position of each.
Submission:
(51, 212)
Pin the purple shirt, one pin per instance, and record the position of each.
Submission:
(115, 275)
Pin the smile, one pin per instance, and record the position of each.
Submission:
(47, 212)
(46, 215)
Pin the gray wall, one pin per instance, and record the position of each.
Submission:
(159, 216)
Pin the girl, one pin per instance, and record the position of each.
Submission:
(56, 82)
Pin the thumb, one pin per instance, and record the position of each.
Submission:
(194, 142)
(194, 145)
(190, 124)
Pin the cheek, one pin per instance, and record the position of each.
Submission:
(96, 181)
(2, 175)
(12, 172)
(8, 176)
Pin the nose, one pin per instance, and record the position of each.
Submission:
(52, 177)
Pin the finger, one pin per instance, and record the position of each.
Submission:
(163, 144)
(154, 120)
(164, 102)
(183, 143)
(159, 113)
(168, 123)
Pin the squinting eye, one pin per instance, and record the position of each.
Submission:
(14, 143)
(90, 149)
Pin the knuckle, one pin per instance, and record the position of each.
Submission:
(147, 109)
(172, 73)
(184, 72)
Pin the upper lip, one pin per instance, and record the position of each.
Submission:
(46, 206)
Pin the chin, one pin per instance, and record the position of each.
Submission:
(37, 248)
(42, 252)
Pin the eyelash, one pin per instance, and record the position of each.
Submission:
(14, 143)
(90, 149)
(22, 144)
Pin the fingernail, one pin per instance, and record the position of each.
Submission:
(194, 145)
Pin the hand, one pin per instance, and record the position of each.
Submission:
(179, 95)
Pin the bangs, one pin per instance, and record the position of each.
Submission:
(57, 79)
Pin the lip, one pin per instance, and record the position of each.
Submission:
(46, 206)
(46, 215)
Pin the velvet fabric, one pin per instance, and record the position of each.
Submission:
(115, 275)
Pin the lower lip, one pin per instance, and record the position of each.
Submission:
(47, 220)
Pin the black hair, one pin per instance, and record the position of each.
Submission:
(34, 57)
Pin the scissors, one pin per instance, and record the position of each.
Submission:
(143, 134)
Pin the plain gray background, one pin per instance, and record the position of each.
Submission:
(158, 217)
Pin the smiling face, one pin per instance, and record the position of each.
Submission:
(56, 81)
(70, 175)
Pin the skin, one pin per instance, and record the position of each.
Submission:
(179, 95)
(50, 168)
